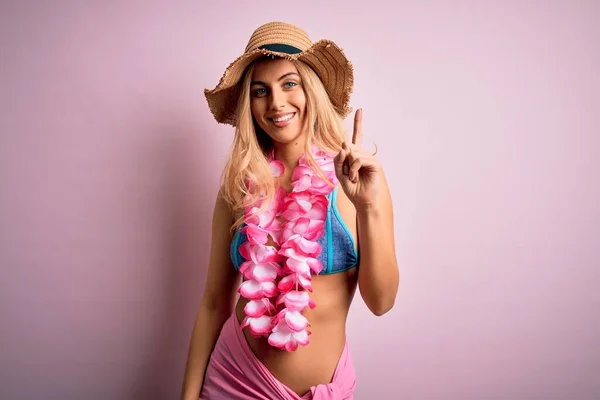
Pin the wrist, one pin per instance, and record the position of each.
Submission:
(367, 210)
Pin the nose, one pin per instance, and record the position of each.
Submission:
(277, 98)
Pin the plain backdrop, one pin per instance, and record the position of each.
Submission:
(486, 115)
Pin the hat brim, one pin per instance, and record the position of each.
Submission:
(327, 60)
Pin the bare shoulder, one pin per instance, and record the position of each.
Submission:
(222, 209)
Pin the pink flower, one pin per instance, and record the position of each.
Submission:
(262, 263)
(301, 247)
(323, 160)
(307, 228)
(254, 290)
(258, 308)
(264, 220)
(260, 236)
(304, 204)
(266, 272)
(255, 234)
(259, 254)
(293, 281)
(259, 326)
(277, 168)
(259, 224)
(299, 268)
(328, 167)
(284, 337)
(293, 319)
(296, 300)
(297, 264)
(305, 179)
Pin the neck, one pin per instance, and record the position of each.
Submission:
(290, 153)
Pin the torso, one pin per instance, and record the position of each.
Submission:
(314, 364)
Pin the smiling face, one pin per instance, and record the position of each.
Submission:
(277, 100)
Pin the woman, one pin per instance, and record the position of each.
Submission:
(285, 237)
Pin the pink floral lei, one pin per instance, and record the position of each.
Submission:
(277, 281)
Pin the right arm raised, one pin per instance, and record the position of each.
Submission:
(217, 301)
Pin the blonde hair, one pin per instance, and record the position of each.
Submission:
(248, 166)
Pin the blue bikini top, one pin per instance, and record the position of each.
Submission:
(338, 252)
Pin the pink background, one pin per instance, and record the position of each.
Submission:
(487, 119)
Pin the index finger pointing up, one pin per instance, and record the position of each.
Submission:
(357, 133)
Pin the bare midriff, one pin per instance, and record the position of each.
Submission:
(315, 363)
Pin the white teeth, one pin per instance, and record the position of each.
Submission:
(284, 118)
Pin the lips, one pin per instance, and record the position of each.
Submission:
(282, 120)
(282, 117)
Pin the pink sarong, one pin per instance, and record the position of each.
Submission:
(234, 373)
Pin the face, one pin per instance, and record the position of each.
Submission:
(277, 99)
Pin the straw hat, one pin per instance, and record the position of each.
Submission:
(284, 40)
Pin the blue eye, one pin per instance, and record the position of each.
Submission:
(259, 91)
(290, 85)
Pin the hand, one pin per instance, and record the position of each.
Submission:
(358, 171)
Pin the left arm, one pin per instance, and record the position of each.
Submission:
(378, 274)
(364, 182)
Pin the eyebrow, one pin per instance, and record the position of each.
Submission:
(280, 78)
